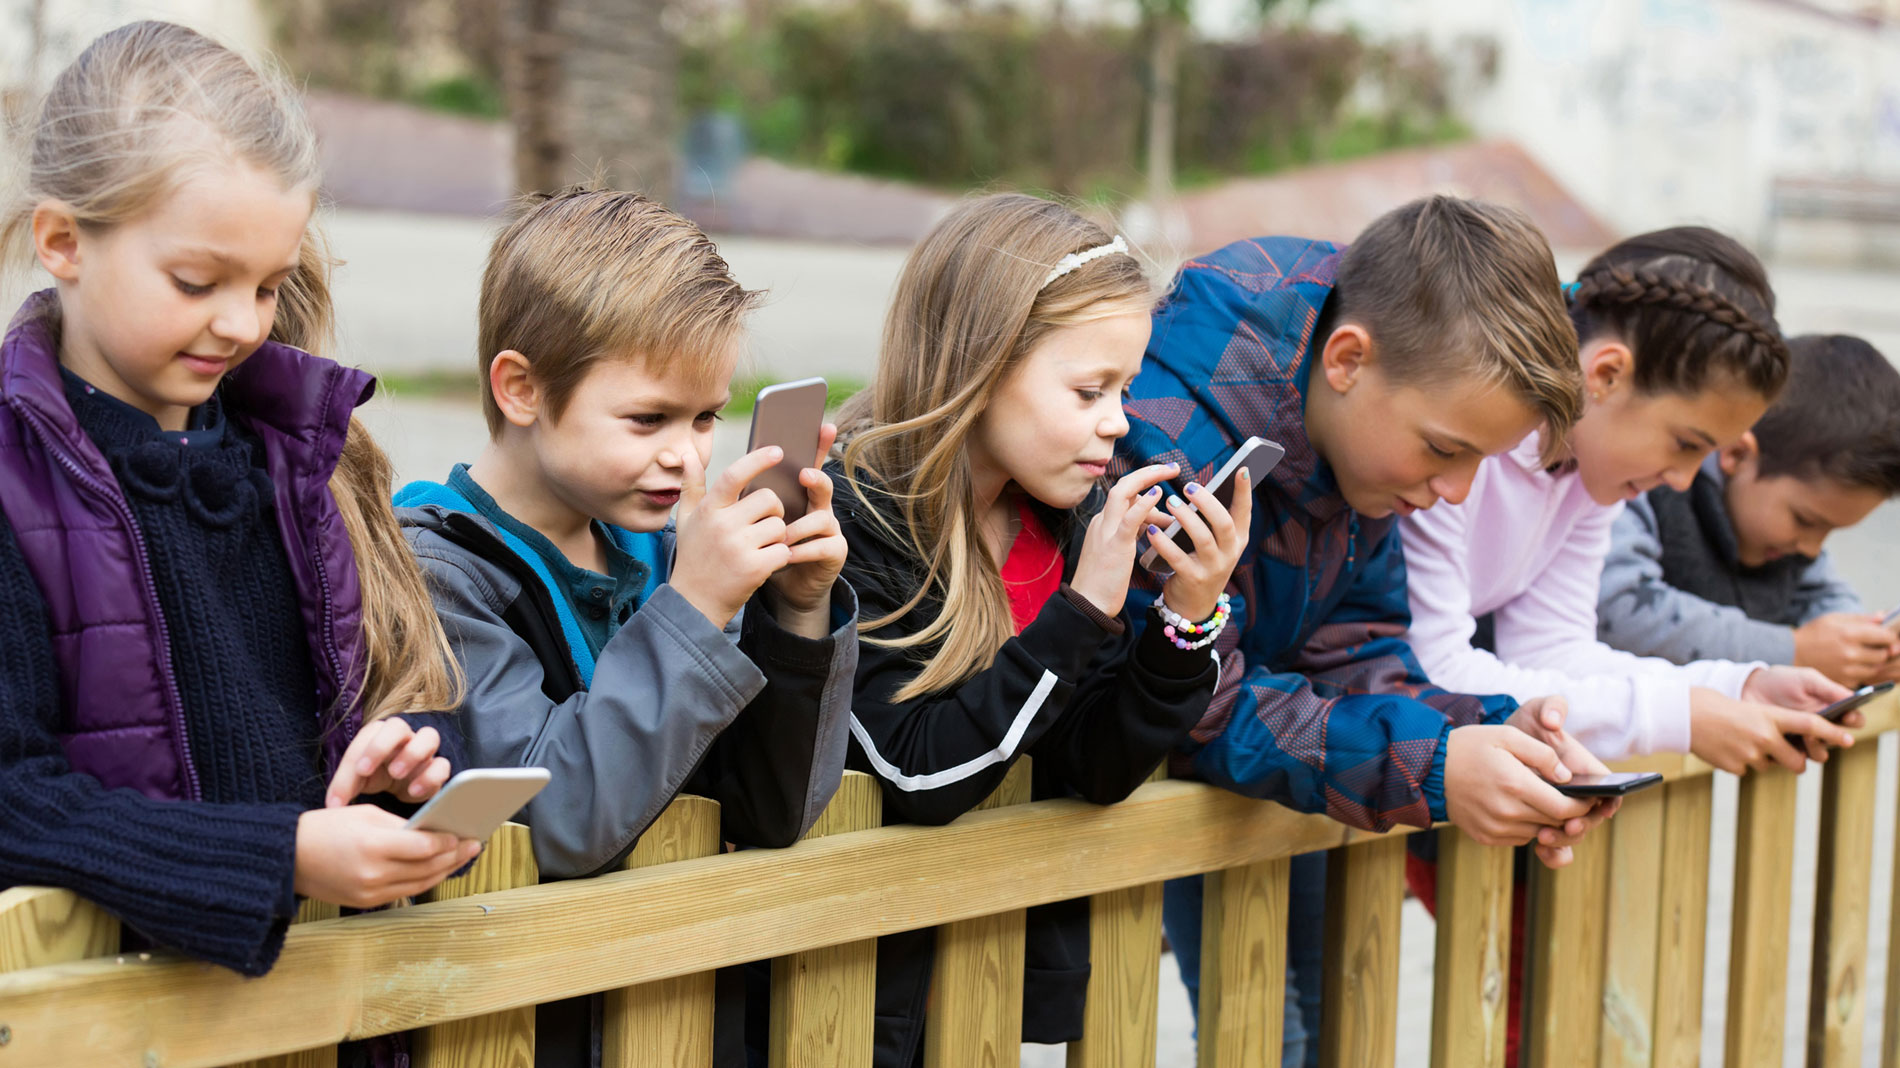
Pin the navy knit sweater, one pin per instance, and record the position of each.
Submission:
(211, 878)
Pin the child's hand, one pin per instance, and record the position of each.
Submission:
(1799, 688)
(387, 756)
(803, 586)
(360, 857)
(728, 545)
(1219, 539)
(1848, 647)
(1543, 719)
(1738, 735)
(1108, 549)
(1498, 789)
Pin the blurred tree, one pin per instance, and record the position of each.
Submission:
(592, 92)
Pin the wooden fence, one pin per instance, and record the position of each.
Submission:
(1615, 975)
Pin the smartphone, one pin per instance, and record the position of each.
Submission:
(790, 415)
(1835, 711)
(1257, 455)
(477, 801)
(1615, 784)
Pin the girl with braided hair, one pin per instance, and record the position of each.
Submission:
(1680, 354)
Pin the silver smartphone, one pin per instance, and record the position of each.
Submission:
(790, 415)
(477, 801)
(1258, 455)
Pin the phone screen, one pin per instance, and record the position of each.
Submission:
(1835, 711)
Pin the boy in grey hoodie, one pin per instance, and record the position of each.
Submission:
(633, 658)
(1733, 568)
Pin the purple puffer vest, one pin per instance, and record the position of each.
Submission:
(124, 723)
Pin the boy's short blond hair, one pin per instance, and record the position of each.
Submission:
(1456, 291)
(590, 274)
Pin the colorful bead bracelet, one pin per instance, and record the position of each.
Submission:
(1187, 634)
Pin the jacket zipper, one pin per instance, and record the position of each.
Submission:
(174, 702)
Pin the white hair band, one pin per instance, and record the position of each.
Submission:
(1076, 259)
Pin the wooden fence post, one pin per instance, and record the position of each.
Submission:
(824, 1000)
(976, 984)
(1563, 958)
(502, 1039)
(669, 1023)
(1683, 922)
(1243, 965)
(1837, 986)
(1632, 934)
(1758, 940)
(1365, 889)
(40, 925)
(1121, 1018)
(1471, 985)
(309, 910)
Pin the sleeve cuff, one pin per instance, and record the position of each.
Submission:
(1434, 785)
(765, 638)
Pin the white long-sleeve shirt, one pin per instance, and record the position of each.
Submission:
(1527, 548)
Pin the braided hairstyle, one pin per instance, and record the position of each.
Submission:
(1693, 305)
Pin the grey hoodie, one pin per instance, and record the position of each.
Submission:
(1673, 587)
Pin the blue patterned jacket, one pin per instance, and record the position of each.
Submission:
(1321, 705)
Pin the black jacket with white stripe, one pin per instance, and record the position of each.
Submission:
(1097, 709)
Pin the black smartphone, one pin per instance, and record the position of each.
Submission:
(1615, 784)
(1835, 711)
(1257, 455)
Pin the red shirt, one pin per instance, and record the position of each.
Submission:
(1032, 572)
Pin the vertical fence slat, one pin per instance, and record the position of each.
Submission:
(976, 984)
(309, 910)
(1682, 936)
(502, 1039)
(1631, 940)
(1564, 957)
(824, 1000)
(40, 925)
(1243, 965)
(1365, 888)
(1837, 991)
(1121, 1019)
(1764, 886)
(669, 1023)
(1472, 961)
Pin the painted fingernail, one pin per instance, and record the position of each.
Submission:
(1193, 488)
(1153, 491)
(1154, 530)
(1176, 502)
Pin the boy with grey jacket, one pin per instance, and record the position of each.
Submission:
(1733, 568)
(633, 658)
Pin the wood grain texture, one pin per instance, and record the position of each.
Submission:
(1758, 937)
(667, 1023)
(824, 999)
(1121, 1019)
(1564, 958)
(1683, 923)
(1632, 937)
(1243, 965)
(1365, 887)
(1472, 959)
(1837, 981)
(40, 925)
(502, 1039)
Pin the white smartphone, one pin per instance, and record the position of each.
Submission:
(477, 801)
(1257, 455)
(790, 415)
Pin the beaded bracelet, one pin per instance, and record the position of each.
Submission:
(1200, 635)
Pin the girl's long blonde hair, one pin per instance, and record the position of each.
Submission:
(970, 305)
(118, 130)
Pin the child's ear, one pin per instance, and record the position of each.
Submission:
(56, 239)
(1742, 454)
(1607, 365)
(511, 383)
(1346, 357)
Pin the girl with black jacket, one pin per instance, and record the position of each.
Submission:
(992, 566)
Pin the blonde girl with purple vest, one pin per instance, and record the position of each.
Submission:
(212, 639)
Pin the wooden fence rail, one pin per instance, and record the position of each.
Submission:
(1615, 942)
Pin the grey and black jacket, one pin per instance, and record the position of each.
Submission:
(753, 717)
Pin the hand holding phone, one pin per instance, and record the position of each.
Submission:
(1613, 784)
(479, 800)
(1258, 456)
(1834, 712)
(790, 415)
